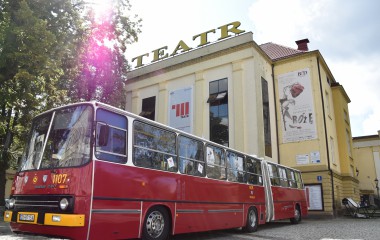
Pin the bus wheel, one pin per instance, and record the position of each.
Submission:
(156, 224)
(252, 221)
(297, 216)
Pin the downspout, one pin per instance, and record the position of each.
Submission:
(326, 138)
(275, 117)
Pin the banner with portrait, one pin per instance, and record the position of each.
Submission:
(297, 106)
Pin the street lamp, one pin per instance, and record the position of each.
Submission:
(377, 187)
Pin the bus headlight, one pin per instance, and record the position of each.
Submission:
(10, 203)
(64, 204)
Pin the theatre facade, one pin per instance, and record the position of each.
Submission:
(276, 102)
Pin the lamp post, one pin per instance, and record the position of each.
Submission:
(377, 187)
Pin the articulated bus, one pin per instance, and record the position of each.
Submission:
(92, 171)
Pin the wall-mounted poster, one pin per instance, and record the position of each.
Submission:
(297, 106)
(180, 109)
(302, 159)
(315, 196)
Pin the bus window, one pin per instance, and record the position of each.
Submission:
(291, 178)
(216, 167)
(191, 159)
(283, 178)
(273, 174)
(111, 146)
(235, 170)
(299, 180)
(34, 148)
(154, 147)
(253, 167)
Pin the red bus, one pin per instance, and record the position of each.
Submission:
(91, 171)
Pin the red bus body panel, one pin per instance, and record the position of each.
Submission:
(195, 204)
(77, 183)
(285, 200)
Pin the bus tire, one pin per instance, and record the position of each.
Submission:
(252, 221)
(156, 224)
(297, 215)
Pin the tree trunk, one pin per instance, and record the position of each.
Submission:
(2, 182)
(4, 157)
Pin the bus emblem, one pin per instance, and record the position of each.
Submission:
(44, 178)
(35, 179)
(26, 179)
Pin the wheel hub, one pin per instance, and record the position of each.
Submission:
(155, 224)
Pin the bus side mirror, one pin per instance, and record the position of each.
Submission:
(103, 135)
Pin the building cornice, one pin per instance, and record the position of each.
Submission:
(207, 53)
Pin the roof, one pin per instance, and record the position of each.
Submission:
(366, 137)
(276, 52)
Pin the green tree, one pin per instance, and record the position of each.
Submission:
(102, 64)
(51, 53)
(25, 47)
(34, 37)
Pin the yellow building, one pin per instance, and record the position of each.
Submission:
(276, 102)
(314, 136)
(9, 176)
(366, 151)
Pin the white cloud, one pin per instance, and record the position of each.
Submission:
(284, 22)
(360, 78)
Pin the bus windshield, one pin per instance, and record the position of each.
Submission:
(59, 139)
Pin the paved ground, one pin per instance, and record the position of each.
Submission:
(309, 229)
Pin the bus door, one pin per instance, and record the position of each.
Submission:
(269, 207)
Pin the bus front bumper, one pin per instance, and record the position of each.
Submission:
(51, 219)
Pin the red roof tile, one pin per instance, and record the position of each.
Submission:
(277, 52)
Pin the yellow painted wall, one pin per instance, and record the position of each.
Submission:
(290, 150)
(364, 152)
(243, 68)
(9, 176)
(329, 104)
(343, 128)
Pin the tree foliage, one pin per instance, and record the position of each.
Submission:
(54, 52)
(102, 63)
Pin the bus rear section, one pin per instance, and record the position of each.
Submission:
(286, 196)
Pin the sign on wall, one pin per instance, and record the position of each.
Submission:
(315, 197)
(180, 109)
(297, 106)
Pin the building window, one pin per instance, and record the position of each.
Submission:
(327, 103)
(351, 170)
(148, 108)
(345, 116)
(266, 118)
(348, 137)
(218, 101)
(332, 152)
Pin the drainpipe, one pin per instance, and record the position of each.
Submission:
(275, 116)
(326, 138)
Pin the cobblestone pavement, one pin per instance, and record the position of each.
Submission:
(309, 229)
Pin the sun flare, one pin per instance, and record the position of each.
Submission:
(101, 9)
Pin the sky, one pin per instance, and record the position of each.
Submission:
(346, 32)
